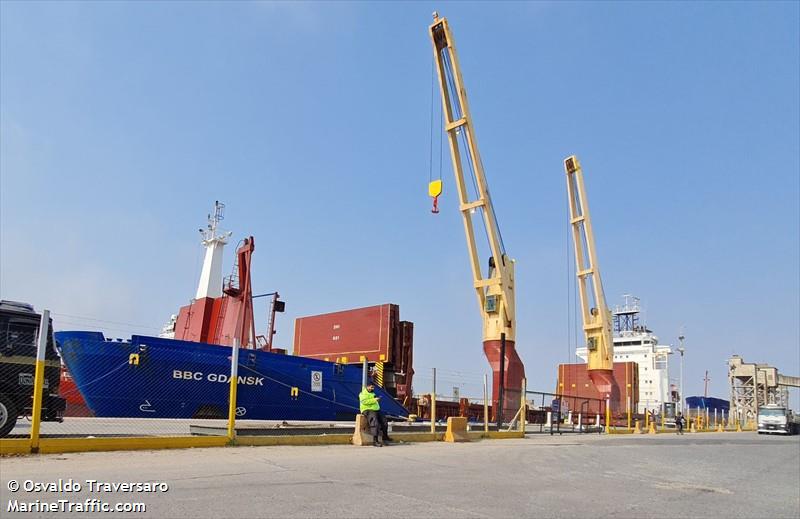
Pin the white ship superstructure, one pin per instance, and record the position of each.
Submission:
(634, 342)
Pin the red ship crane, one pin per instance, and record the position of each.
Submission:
(495, 289)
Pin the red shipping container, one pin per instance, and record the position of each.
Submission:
(369, 332)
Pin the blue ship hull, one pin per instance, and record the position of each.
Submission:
(151, 377)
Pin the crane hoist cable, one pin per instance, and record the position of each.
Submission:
(435, 186)
(461, 133)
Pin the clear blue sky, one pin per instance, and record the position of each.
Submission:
(121, 123)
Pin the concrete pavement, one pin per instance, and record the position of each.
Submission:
(731, 475)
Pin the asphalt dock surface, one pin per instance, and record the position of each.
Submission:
(730, 475)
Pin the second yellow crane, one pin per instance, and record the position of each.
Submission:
(594, 310)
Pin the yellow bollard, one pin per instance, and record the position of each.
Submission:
(652, 429)
(361, 434)
(636, 427)
(738, 426)
(691, 427)
(456, 429)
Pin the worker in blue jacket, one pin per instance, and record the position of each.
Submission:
(371, 408)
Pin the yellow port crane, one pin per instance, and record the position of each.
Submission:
(495, 290)
(594, 310)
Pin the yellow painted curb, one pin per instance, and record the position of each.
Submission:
(328, 439)
(418, 437)
(299, 440)
(57, 445)
(61, 445)
(495, 435)
(15, 446)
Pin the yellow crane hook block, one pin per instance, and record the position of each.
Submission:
(434, 190)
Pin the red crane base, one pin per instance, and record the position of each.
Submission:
(604, 382)
(514, 372)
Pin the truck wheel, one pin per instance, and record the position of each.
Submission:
(8, 415)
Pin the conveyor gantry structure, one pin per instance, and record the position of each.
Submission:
(753, 385)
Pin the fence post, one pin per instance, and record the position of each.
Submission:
(38, 380)
(485, 406)
(433, 405)
(232, 393)
(502, 384)
(523, 408)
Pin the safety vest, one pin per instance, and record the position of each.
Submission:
(368, 402)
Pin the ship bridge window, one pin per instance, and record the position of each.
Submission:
(661, 361)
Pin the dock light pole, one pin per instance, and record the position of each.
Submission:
(681, 350)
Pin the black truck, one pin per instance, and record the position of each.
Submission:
(19, 328)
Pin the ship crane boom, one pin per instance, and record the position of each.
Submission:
(495, 289)
(594, 309)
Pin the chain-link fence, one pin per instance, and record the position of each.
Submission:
(555, 414)
(469, 395)
(148, 387)
(116, 387)
(154, 387)
(457, 394)
(18, 368)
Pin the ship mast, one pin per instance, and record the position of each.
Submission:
(210, 284)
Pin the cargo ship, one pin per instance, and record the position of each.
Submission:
(641, 367)
(185, 372)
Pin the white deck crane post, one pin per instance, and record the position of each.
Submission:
(495, 290)
(594, 309)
